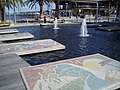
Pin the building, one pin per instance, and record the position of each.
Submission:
(88, 7)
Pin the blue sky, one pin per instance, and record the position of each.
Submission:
(27, 9)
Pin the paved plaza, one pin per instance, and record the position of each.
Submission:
(98, 41)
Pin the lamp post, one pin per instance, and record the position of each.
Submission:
(89, 11)
(97, 11)
(66, 8)
(9, 14)
(70, 8)
(35, 12)
(109, 10)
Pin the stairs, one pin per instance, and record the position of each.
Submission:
(112, 10)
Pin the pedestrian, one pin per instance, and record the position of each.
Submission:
(44, 19)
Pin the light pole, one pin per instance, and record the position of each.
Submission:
(97, 11)
(9, 14)
(70, 8)
(66, 8)
(35, 12)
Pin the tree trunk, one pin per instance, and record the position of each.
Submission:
(3, 14)
(41, 7)
(41, 10)
(57, 10)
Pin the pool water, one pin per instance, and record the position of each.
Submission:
(106, 43)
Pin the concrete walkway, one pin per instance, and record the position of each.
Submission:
(10, 78)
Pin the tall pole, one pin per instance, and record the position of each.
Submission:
(97, 12)
(35, 12)
(89, 11)
(14, 13)
(109, 10)
(9, 14)
(66, 8)
(70, 9)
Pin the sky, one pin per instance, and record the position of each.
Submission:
(27, 9)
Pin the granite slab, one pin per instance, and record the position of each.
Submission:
(17, 36)
(92, 72)
(111, 28)
(7, 31)
(31, 47)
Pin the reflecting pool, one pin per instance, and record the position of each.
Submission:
(106, 43)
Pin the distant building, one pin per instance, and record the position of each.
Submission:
(88, 7)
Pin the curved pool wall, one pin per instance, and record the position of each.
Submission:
(106, 43)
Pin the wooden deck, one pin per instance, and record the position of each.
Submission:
(10, 78)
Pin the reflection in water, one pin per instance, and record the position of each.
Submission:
(83, 45)
(56, 24)
(56, 33)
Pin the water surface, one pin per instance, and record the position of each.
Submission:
(106, 43)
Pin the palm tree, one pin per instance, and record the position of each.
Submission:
(14, 3)
(32, 3)
(2, 10)
(57, 2)
(9, 4)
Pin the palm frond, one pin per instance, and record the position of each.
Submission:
(31, 3)
(14, 3)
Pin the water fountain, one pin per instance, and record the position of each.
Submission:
(83, 29)
(56, 24)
